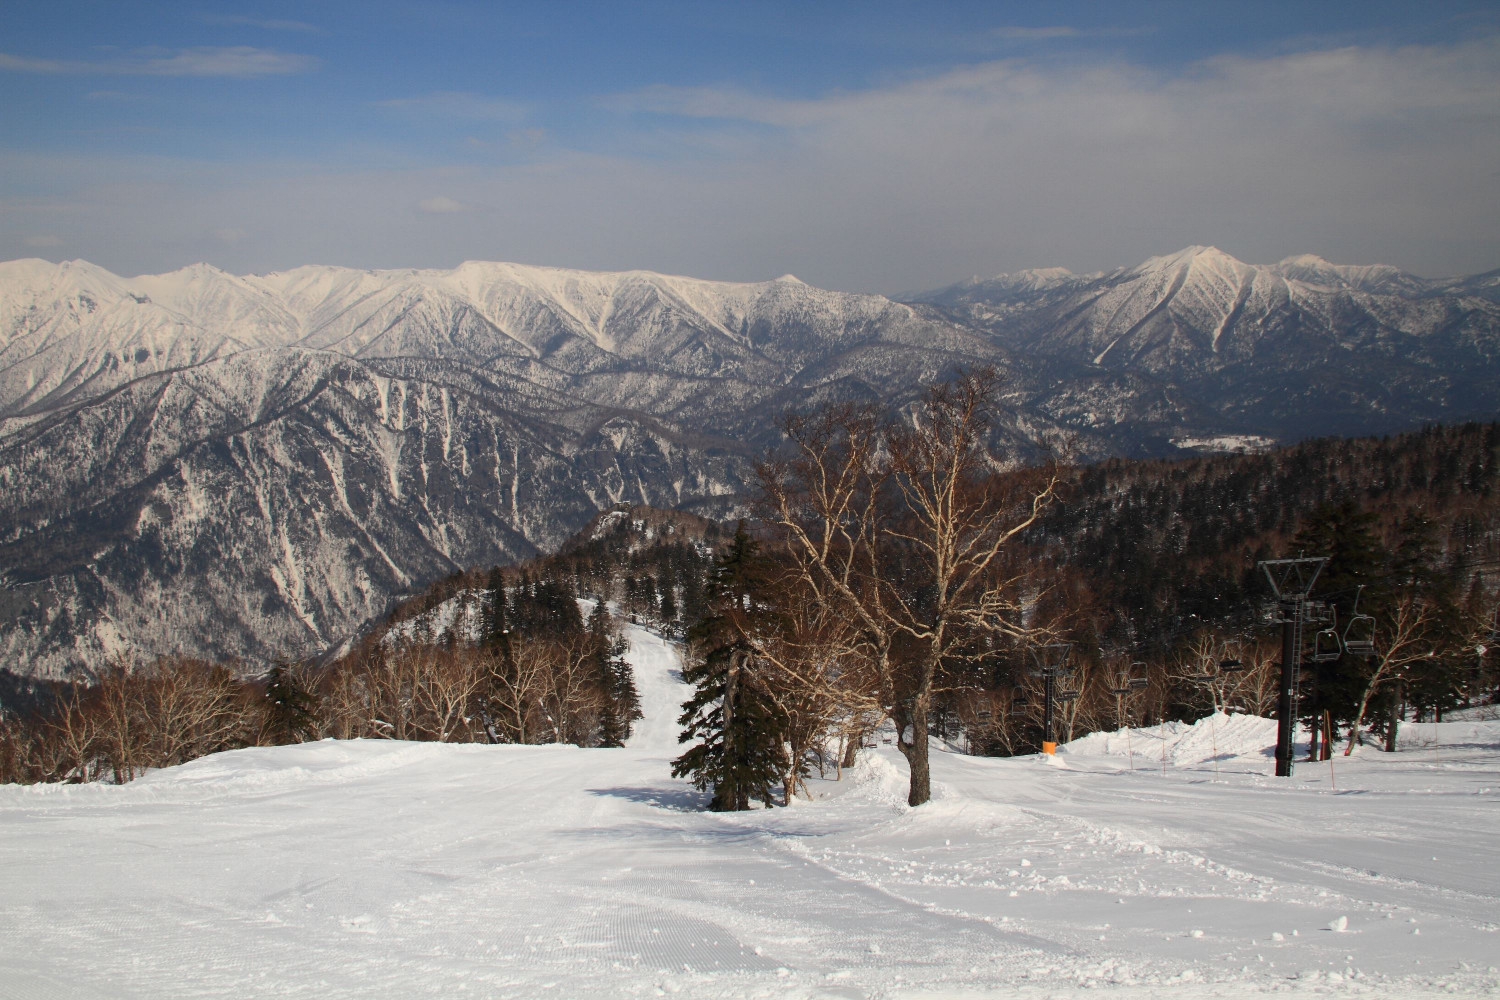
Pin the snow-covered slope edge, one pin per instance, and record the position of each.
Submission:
(379, 868)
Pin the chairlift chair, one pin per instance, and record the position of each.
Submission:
(1019, 707)
(1064, 695)
(1230, 662)
(1138, 678)
(1359, 636)
(1326, 646)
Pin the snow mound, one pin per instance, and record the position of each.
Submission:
(1219, 737)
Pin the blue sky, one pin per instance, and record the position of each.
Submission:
(868, 146)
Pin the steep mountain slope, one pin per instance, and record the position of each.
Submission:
(1298, 347)
(254, 465)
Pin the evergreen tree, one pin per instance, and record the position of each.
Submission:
(291, 710)
(736, 725)
(620, 702)
(495, 623)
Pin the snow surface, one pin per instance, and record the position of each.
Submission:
(385, 869)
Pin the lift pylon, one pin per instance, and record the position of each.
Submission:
(1291, 581)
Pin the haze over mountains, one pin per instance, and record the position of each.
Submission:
(253, 466)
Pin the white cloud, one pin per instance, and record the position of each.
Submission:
(204, 61)
(1357, 154)
(441, 205)
(1026, 33)
(267, 24)
(459, 104)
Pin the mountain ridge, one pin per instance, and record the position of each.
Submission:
(256, 465)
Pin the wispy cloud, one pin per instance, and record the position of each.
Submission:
(460, 104)
(441, 205)
(1026, 33)
(1356, 153)
(1052, 32)
(202, 61)
(266, 24)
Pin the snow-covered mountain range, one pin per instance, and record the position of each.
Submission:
(254, 465)
(1295, 348)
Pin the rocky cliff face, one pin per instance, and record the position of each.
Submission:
(254, 466)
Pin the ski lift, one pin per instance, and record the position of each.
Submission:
(1230, 662)
(1327, 646)
(1019, 706)
(1359, 634)
(1051, 659)
(1138, 678)
(1064, 695)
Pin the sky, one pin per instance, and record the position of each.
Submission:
(875, 146)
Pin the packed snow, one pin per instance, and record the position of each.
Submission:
(1162, 862)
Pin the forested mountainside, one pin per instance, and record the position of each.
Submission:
(1170, 546)
(527, 653)
(1144, 562)
(252, 466)
(1150, 562)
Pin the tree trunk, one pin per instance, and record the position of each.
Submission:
(1393, 721)
(851, 747)
(917, 755)
(1359, 715)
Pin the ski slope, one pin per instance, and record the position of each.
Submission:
(382, 869)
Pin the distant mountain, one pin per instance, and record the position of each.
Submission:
(1291, 349)
(255, 465)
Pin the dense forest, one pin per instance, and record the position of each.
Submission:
(1146, 568)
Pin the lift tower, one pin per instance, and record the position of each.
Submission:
(1291, 580)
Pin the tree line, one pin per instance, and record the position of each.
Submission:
(534, 670)
(899, 570)
(896, 568)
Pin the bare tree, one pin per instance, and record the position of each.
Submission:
(516, 687)
(1405, 639)
(72, 737)
(903, 529)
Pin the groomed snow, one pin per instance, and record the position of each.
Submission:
(381, 869)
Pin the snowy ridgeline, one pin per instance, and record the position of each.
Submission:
(380, 868)
(277, 456)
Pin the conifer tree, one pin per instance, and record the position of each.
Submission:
(736, 725)
(620, 702)
(291, 710)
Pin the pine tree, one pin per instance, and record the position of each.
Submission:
(620, 702)
(495, 623)
(736, 725)
(291, 710)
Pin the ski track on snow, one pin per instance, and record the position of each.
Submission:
(374, 868)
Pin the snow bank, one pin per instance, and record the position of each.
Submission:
(374, 868)
(1220, 737)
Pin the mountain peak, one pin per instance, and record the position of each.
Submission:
(1195, 254)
